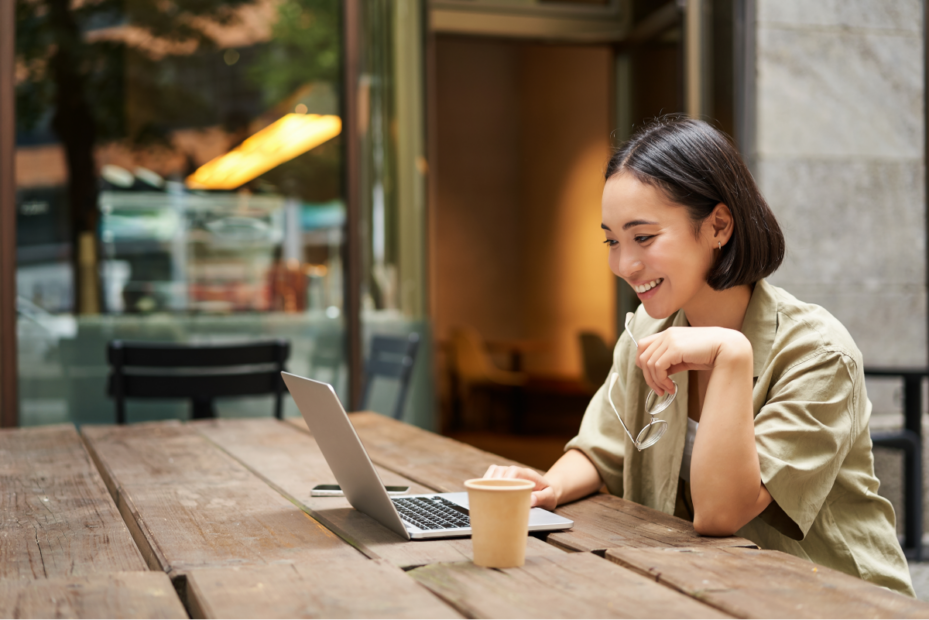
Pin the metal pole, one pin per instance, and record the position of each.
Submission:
(9, 402)
(917, 390)
(693, 59)
(351, 42)
(744, 61)
(913, 471)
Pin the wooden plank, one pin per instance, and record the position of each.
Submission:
(753, 583)
(292, 463)
(578, 585)
(56, 517)
(605, 521)
(600, 522)
(106, 595)
(190, 505)
(372, 589)
(432, 460)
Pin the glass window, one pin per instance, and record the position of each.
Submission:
(393, 168)
(178, 170)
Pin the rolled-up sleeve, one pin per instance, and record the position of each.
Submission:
(803, 433)
(599, 440)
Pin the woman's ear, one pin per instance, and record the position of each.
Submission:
(721, 224)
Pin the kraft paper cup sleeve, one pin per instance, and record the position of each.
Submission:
(499, 509)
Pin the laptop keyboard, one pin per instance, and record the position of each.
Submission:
(432, 513)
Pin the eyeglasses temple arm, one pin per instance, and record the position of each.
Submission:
(609, 397)
(629, 316)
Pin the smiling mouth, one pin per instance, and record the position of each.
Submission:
(642, 288)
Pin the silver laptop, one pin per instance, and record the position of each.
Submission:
(438, 515)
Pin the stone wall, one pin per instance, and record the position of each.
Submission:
(839, 156)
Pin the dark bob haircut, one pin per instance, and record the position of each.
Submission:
(697, 167)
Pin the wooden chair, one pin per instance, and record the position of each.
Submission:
(392, 357)
(473, 364)
(198, 372)
(472, 369)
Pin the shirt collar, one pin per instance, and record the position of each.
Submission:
(760, 324)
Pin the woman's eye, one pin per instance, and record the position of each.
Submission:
(611, 242)
(642, 238)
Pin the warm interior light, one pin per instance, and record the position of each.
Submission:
(292, 135)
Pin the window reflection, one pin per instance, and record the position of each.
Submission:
(178, 178)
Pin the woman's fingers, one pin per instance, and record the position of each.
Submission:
(513, 471)
(523, 473)
(648, 360)
(542, 495)
(654, 367)
(664, 364)
(660, 357)
(543, 499)
(678, 349)
(642, 357)
(499, 471)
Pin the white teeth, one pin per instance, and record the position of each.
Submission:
(648, 285)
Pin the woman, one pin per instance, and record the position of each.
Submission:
(767, 436)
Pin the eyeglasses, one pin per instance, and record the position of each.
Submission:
(652, 432)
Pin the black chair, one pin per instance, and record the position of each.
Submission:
(198, 372)
(909, 441)
(392, 357)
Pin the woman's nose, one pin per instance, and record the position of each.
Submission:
(628, 266)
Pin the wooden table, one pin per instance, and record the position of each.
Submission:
(215, 519)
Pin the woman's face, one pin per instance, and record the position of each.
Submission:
(653, 246)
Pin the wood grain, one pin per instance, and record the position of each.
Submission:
(578, 585)
(432, 460)
(292, 463)
(601, 521)
(605, 521)
(56, 517)
(372, 589)
(753, 583)
(105, 595)
(190, 505)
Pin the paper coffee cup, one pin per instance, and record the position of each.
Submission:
(499, 509)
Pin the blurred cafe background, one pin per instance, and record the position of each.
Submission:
(180, 176)
(327, 171)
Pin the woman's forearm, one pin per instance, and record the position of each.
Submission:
(725, 478)
(573, 476)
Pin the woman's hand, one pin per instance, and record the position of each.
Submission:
(572, 477)
(678, 349)
(543, 495)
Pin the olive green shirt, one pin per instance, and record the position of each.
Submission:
(811, 432)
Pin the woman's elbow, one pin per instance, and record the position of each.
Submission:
(716, 524)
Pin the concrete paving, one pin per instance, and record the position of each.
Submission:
(919, 571)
